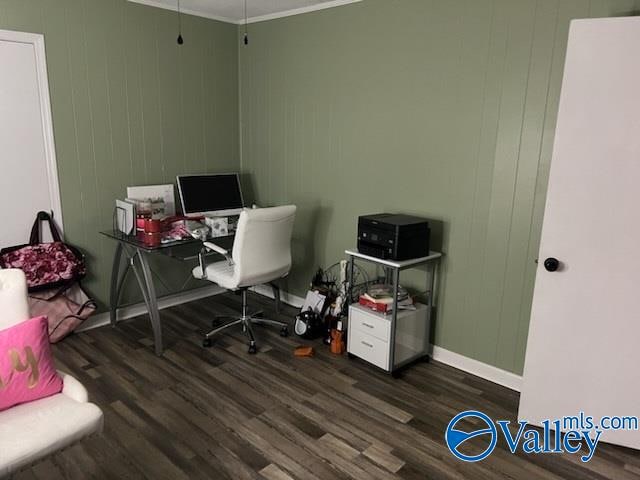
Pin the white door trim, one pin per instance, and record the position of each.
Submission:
(37, 40)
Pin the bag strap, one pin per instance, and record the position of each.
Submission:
(88, 304)
(35, 237)
(61, 291)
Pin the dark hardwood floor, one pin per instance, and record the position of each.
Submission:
(220, 413)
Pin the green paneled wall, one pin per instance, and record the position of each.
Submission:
(440, 108)
(130, 107)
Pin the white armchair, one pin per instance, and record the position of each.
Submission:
(34, 430)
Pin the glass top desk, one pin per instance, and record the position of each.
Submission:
(137, 253)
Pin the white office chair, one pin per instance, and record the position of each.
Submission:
(31, 431)
(261, 254)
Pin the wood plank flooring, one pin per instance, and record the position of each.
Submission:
(220, 413)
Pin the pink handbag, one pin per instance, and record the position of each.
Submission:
(46, 265)
(65, 309)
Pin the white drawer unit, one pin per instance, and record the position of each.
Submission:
(369, 348)
(375, 325)
(369, 335)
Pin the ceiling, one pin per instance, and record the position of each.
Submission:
(233, 10)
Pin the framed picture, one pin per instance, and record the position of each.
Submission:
(152, 193)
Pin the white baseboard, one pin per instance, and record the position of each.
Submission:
(453, 359)
(131, 311)
(477, 368)
(286, 297)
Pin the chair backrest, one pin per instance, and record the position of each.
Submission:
(14, 306)
(262, 246)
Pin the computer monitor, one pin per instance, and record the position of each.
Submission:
(217, 195)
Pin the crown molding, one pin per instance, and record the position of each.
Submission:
(259, 18)
(298, 11)
(187, 11)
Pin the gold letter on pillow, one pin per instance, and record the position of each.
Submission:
(31, 362)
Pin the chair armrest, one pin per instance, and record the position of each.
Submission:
(216, 248)
(203, 261)
(72, 388)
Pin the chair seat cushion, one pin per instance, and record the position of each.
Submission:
(219, 272)
(224, 275)
(31, 431)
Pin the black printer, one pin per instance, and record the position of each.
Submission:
(393, 237)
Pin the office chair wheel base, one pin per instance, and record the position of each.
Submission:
(207, 342)
(284, 332)
(252, 348)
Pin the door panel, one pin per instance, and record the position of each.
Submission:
(27, 179)
(583, 348)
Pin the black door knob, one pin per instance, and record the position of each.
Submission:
(551, 264)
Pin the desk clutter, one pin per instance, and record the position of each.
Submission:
(325, 311)
(379, 297)
(149, 212)
(322, 313)
(323, 316)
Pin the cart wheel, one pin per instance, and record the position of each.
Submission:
(207, 342)
(284, 332)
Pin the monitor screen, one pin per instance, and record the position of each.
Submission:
(218, 193)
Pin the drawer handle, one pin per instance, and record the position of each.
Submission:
(366, 344)
(367, 325)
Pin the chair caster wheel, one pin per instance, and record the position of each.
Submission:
(253, 349)
(207, 342)
(284, 332)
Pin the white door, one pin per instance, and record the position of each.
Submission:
(28, 177)
(583, 351)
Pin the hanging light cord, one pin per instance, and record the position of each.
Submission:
(246, 34)
(179, 40)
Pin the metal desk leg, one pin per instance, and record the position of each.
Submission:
(115, 288)
(117, 281)
(145, 281)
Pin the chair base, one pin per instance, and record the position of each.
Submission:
(245, 320)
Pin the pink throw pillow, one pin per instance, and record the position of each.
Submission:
(27, 371)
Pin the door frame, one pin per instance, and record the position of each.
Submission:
(37, 41)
